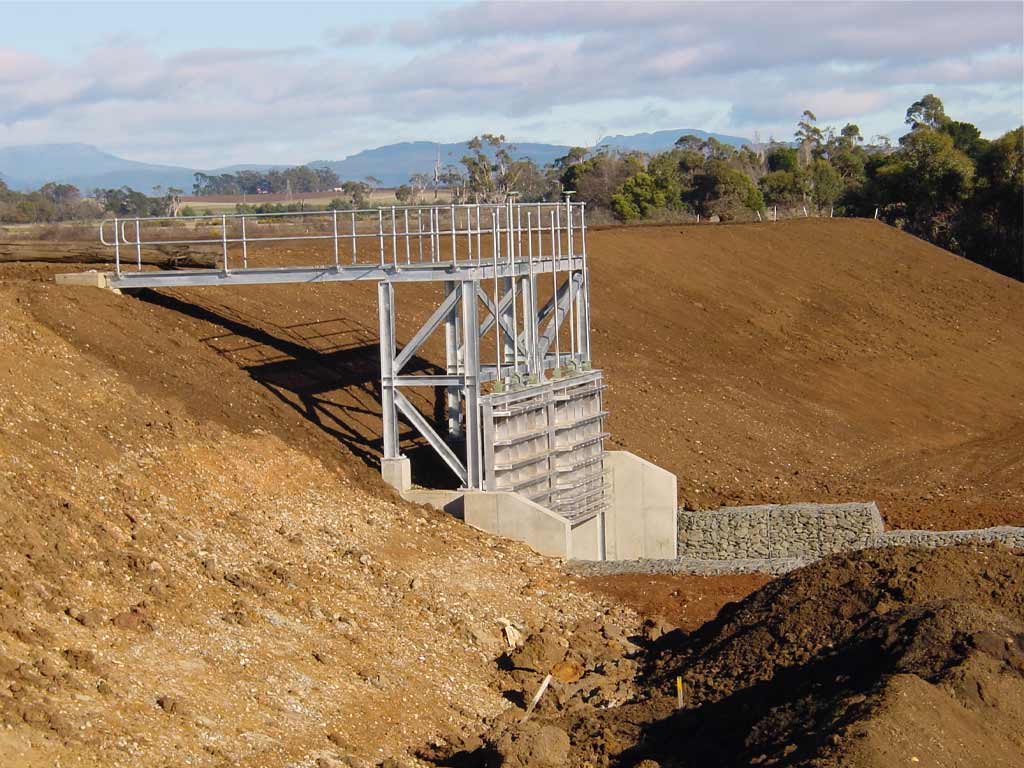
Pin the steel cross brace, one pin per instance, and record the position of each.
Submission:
(558, 308)
(461, 381)
(500, 314)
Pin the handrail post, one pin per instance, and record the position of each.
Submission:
(138, 246)
(334, 218)
(455, 258)
(353, 237)
(405, 211)
(117, 248)
(245, 246)
(224, 239)
(394, 239)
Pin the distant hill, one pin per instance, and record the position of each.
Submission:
(261, 167)
(85, 166)
(393, 164)
(88, 167)
(659, 141)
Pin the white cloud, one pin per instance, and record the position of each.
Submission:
(549, 70)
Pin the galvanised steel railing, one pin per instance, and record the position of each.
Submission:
(394, 237)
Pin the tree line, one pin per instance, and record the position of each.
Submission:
(301, 179)
(942, 181)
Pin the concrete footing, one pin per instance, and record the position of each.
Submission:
(90, 279)
(397, 473)
(516, 517)
(639, 522)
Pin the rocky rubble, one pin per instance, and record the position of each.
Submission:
(877, 658)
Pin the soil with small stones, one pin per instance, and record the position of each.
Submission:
(868, 660)
(202, 564)
(683, 600)
(184, 581)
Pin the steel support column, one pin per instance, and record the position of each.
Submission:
(471, 387)
(386, 310)
(453, 364)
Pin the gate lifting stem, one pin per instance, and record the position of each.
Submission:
(539, 429)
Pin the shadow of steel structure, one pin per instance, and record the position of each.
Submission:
(522, 404)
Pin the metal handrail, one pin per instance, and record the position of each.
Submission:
(502, 222)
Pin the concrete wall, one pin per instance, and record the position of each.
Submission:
(641, 521)
(777, 531)
(446, 501)
(516, 517)
(585, 539)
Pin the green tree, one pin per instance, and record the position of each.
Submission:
(724, 191)
(926, 112)
(781, 158)
(809, 135)
(923, 185)
(638, 197)
(358, 192)
(966, 137)
(598, 178)
(992, 228)
(781, 188)
(826, 183)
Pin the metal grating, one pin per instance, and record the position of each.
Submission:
(546, 442)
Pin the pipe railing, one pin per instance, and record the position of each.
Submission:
(394, 237)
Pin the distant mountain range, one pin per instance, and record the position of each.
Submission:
(28, 167)
(659, 141)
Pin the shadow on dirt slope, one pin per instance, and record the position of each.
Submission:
(327, 373)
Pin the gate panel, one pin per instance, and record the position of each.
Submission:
(546, 442)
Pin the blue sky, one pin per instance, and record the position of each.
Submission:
(208, 84)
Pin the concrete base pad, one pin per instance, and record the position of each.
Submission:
(640, 521)
(397, 473)
(90, 279)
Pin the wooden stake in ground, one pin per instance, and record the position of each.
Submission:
(536, 698)
(679, 693)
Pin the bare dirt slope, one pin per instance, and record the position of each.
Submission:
(816, 360)
(175, 590)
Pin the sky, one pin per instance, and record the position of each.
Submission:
(211, 84)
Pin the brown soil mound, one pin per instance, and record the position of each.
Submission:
(880, 658)
(817, 360)
(175, 590)
(682, 600)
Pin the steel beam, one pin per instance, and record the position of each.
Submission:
(427, 328)
(503, 312)
(453, 363)
(414, 273)
(471, 387)
(560, 311)
(437, 443)
(429, 381)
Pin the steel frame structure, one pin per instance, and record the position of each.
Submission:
(494, 262)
